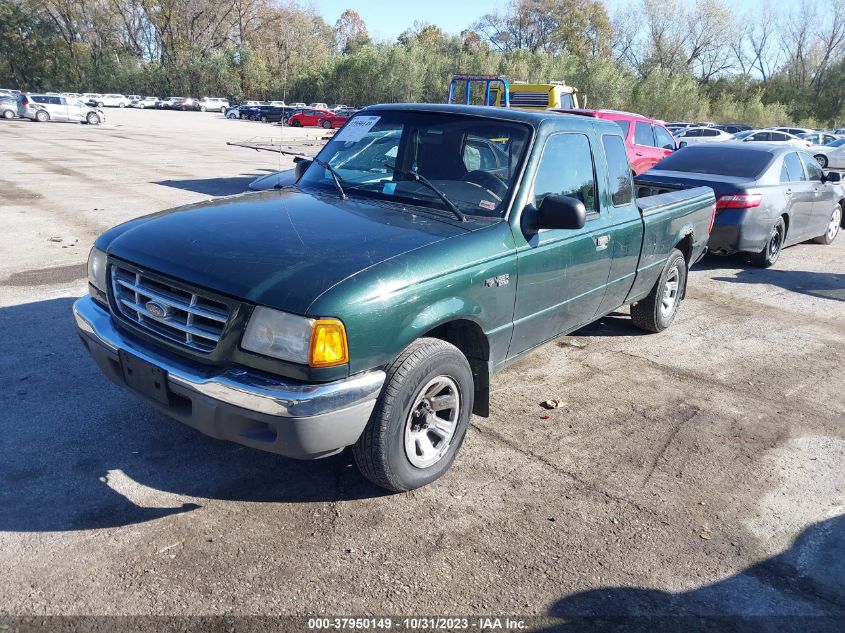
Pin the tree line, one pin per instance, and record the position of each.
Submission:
(670, 59)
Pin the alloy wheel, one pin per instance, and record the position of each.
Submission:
(432, 421)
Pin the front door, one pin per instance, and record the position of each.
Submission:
(562, 273)
(801, 194)
(824, 196)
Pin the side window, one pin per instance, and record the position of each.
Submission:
(709, 132)
(693, 133)
(760, 136)
(814, 172)
(40, 99)
(625, 126)
(784, 173)
(663, 138)
(793, 164)
(643, 134)
(618, 169)
(566, 169)
(779, 136)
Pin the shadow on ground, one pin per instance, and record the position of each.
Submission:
(213, 186)
(80, 453)
(802, 589)
(822, 285)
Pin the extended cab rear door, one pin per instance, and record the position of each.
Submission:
(562, 273)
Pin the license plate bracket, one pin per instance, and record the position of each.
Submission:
(145, 378)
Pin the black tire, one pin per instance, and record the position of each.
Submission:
(821, 159)
(285, 121)
(264, 119)
(834, 224)
(92, 118)
(296, 124)
(657, 311)
(327, 125)
(774, 245)
(42, 116)
(380, 452)
(8, 114)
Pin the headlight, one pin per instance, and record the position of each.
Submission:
(314, 342)
(97, 269)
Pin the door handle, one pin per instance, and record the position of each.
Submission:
(602, 241)
(638, 153)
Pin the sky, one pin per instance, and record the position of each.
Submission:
(386, 20)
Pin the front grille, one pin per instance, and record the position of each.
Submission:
(168, 311)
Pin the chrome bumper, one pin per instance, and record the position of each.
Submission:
(298, 420)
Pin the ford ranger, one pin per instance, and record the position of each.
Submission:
(425, 248)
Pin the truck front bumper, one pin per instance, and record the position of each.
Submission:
(236, 404)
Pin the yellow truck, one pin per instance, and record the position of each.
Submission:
(520, 95)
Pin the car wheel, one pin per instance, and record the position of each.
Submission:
(296, 124)
(99, 104)
(657, 311)
(327, 125)
(121, 105)
(832, 227)
(284, 120)
(774, 244)
(8, 114)
(420, 419)
(264, 119)
(93, 118)
(41, 116)
(821, 159)
(141, 106)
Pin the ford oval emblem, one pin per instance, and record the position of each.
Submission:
(157, 309)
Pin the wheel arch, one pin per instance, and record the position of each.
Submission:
(469, 338)
(685, 245)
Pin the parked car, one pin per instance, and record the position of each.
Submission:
(335, 119)
(693, 135)
(169, 103)
(339, 106)
(319, 105)
(143, 102)
(298, 104)
(308, 117)
(795, 131)
(818, 138)
(767, 196)
(646, 140)
(831, 155)
(42, 108)
(774, 136)
(376, 313)
(211, 104)
(733, 128)
(8, 107)
(184, 104)
(239, 111)
(109, 101)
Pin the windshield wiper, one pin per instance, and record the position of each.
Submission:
(337, 179)
(425, 181)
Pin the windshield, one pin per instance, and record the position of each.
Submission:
(473, 161)
(719, 161)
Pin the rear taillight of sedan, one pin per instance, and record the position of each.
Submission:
(739, 201)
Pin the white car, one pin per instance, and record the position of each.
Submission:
(775, 136)
(319, 106)
(830, 156)
(109, 101)
(818, 138)
(298, 104)
(795, 131)
(693, 135)
(143, 102)
(212, 104)
(43, 108)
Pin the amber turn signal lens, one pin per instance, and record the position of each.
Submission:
(328, 344)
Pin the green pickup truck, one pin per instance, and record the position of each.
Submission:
(424, 249)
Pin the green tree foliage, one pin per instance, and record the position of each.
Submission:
(671, 59)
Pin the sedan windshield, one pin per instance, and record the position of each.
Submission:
(472, 161)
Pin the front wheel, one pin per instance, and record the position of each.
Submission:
(420, 419)
(821, 159)
(771, 251)
(296, 124)
(121, 105)
(833, 227)
(93, 118)
(657, 311)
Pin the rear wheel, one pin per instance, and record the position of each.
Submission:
(41, 116)
(821, 159)
(771, 251)
(93, 118)
(657, 311)
(832, 227)
(327, 125)
(121, 105)
(264, 119)
(8, 114)
(420, 419)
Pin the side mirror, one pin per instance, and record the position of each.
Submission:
(302, 164)
(561, 212)
(682, 144)
(832, 176)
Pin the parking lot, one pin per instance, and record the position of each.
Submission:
(695, 471)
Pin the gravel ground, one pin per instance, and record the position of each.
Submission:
(699, 471)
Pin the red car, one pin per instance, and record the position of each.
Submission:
(334, 119)
(309, 117)
(647, 141)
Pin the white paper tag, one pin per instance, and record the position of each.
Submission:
(356, 128)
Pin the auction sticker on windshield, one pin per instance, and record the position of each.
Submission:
(356, 128)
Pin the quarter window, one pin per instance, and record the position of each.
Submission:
(793, 164)
(618, 169)
(663, 138)
(814, 172)
(566, 169)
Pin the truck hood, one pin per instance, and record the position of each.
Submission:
(282, 249)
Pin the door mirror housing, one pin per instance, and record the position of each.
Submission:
(561, 212)
(302, 164)
(682, 144)
(832, 176)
